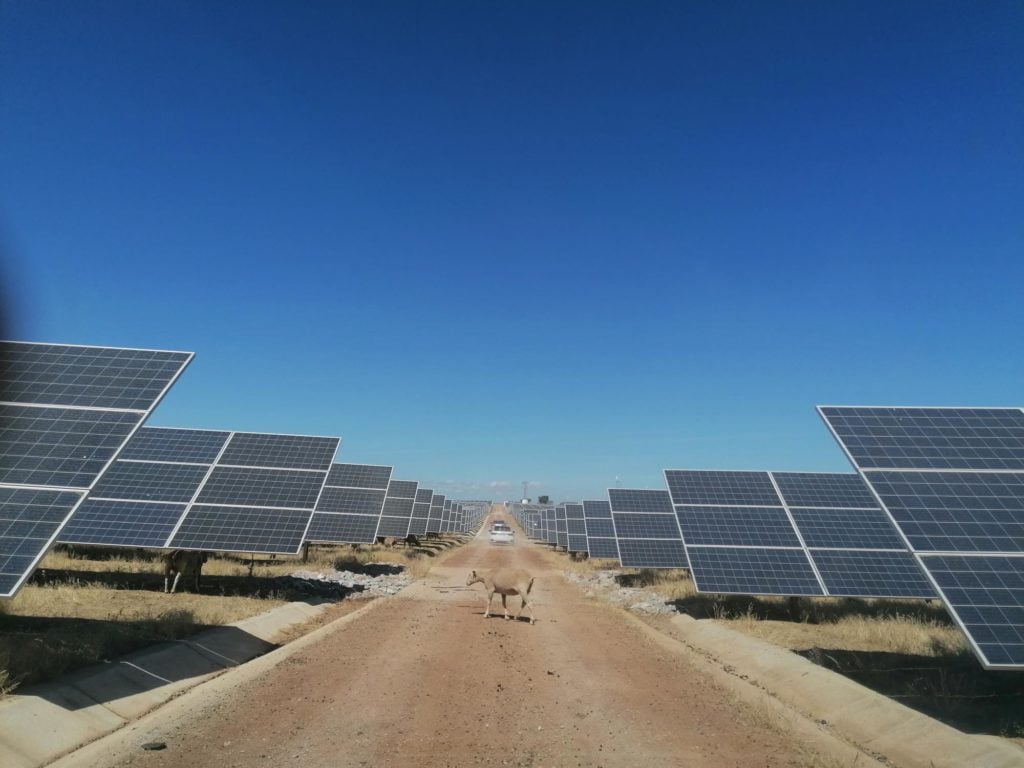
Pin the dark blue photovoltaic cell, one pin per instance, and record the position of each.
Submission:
(248, 449)
(359, 476)
(232, 529)
(731, 570)
(956, 511)
(986, 595)
(602, 548)
(89, 377)
(398, 507)
(576, 527)
(393, 526)
(248, 486)
(195, 446)
(824, 489)
(732, 488)
(652, 553)
(632, 525)
(597, 509)
(122, 523)
(356, 501)
(847, 528)
(424, 496)
(849, 573)
(633, 500)
(736, 526)
(351, 529)
(561, 529)
(402, 489)
(146, 481)
(59, 447)
(930, 438)
(600, 527)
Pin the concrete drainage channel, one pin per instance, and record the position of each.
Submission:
(41, 723)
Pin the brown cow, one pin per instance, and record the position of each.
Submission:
(505, 582)
(182, 561)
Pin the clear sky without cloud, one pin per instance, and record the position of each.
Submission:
(495, 242)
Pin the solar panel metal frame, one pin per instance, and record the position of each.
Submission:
(31, 555)
(350, 515)
(928, 560)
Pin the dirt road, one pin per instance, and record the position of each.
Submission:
(424, 680)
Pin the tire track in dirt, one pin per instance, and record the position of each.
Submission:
(424, 680)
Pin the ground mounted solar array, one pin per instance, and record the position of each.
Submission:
(206, 490)
(646, 529)
(952, 482)
(790, 533)
(350, 507)
(600, 530)
(65, 414)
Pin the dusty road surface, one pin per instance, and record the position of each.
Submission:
(423, 679)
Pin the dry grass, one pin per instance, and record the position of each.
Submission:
(80, 610)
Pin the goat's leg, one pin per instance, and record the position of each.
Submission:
(504, 604)
(487, 611)
(177, 578)
(167, 581)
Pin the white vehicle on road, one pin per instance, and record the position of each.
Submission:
(502, 534)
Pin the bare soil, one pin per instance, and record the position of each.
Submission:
(424, 680)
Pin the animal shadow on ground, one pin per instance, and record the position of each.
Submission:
(952, 688)
(367, 569)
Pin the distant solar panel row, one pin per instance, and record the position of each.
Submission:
(65, 413)
(952, 481)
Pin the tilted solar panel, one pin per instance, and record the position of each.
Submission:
(421, 511)
(436, 513)
(646, 529)
(952, 481)
(347, 513)
(600, 529)
(66, 412)
(172, 500)
(846, 540)
(396, 516)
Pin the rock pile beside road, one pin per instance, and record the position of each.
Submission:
(354, 586)
(605, 585)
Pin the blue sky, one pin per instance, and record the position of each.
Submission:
(497, 242)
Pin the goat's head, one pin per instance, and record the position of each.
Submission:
(473, 578)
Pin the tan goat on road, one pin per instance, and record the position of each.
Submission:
(505, 582)
(181, 561)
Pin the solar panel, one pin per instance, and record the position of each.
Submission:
(576, 528)
(396, 516)
(600, 529)
(550, 529)
(421, 512)
(952, 481)
(172, 500)
(646, 529)
(845, 540)
(66, 412)
(752, 571)
(350, 506)
(436, 513)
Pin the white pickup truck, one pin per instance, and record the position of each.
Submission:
(502, 534)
